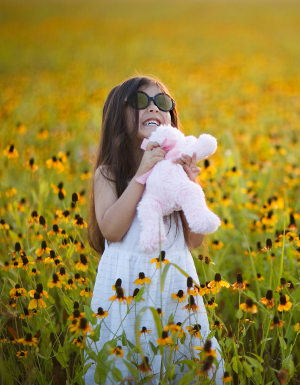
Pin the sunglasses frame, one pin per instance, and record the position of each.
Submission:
(154, 100)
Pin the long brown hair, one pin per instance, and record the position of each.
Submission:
(116, 146)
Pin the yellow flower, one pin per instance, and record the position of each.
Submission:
(163, 260)
(268, 299)
(276, 323)
(179, 296)
(70, 285)
(206, 350)
(144, 330)
(55, 281)
(80, 327)
(119, 295)
(77, 315)
(216, 245)
(3, 225)
(239, 283)
(297, 327)
(191, 305)
(17, 292)
(249, 306)
(226, 377)
(37, 300)
(118, 351)
(10, 152)
(79, 222)
(83, 264)
(195, 330)
(79, 342)
(142, 279)
(285, 304)
(55, 163)
(86, 292)
(217, 284)
(211, 303)
(59, 190)
(21, 354)
(34, 272)
(28, 340)
(44, 249)
(165, 339)
(101, 313)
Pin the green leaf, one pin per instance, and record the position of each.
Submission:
(265, 340)
(258, 357)
(239, 314)
(189, 363)
(124, 338)
(132, 369)
(282, 343)
(68, 302)
(95, 337)
(163, 276)
(250, 294)
(153, 348)
(247, 369)
(254, 363)
(211, 334)
(117, 374)
(171, 318)
(139, 295)
(88, 315)
(187, 378)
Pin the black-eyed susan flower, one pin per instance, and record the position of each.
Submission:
(239, 284)
(159, 311)
(52, 257)
(6, 266)
(79, 222)
(21, 354)
(42, 134)
(297, 327)
(39, 289)
(37, 301)
(179, 296)
(206, 350)
(31, 166)
(77, 315)
(18, 249)
(194, 330)
(79, 247)
(268, 245)
(182, 332)
(17, 292)
(28, 340)
(191, 290)
(62, 274)
(135, 292)
(26, 314)
(285, 304)
(259, 277)
(79, 342)
(3, 225)
(144, 331)
(226, 377)
(55, 163)
(292, 225)
(24, 264)
(80, 327)
(141, 280)
(12, 303)
(86, 174)
(83, 264)
(164, 339)
(144, 367)
(70, 285)
(276, 323)
(63, 214)
(80, 280)
(10, 152)
(21, 205)
(217, 284)
(217, 245)
(119, 295)
(268, 299)
(63, 156)
(43, 250)
(55, 281)
(283, 284)
(217, 325)
(59, 190)
(34, 271)
(34, 217)
(203, 289)
(206, 365)
(211, 303)
(163, 259)
(226, 224)
(101, 313)
(171, 327)
(191, 305)
(86, 292)
(55, 231)
(118, 351)
(249, 306)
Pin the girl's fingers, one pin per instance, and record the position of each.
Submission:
(194, 160)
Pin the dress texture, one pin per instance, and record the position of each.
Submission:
(124, 260)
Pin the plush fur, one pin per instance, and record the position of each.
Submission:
(169, 189)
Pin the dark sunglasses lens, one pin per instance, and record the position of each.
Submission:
(137, 100)
(164, 102)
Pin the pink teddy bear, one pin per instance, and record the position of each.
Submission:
(169, 189)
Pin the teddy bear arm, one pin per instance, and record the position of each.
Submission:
(204, 146)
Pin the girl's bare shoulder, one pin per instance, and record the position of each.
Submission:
(104, 178)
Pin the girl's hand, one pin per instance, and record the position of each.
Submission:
(189, 166)
(152, 155)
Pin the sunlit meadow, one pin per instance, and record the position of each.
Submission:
(233, 69)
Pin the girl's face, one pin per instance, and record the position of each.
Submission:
(151, 113)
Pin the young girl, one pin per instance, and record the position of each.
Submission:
(131, 113)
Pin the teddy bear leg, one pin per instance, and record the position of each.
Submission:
(152, 227)
(200, 218)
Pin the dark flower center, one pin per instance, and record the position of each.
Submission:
(83, 323)
(83, 259)
(55, 228)
(77, 276)
(62, 271)
(189, 282)
(17, 286)
(197, 327)
(141, 275)
(159, 310)
(17, 246)
(79, 221)
(282, 300)
(55, 278)
(217, 277)
(120, 293)
(39, 288)
(282, 281)
(191, 300)
(180, 293)
(164, 335)
(28, 337)
(239, 278)
(34, 214)
(66, 213)
(217, 323)
(52, 254)
(76, 313)
(70, 281)
(118, 282)
(42, 220)
(276, 320)
(26, 312)
(249, 302)
(269, 295)
(76, 305)
(207, 346)
(135, 292)
(100, 311)
(37, 295)
(163, 254)
(144, 329)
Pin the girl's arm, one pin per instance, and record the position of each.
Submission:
(115, 215)
(194, 239)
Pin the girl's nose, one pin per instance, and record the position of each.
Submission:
(152, 107)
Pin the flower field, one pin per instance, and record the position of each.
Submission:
(233, 70)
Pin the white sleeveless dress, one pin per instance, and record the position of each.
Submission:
(125, 260)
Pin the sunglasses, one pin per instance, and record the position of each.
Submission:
(140, 100)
